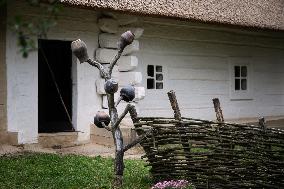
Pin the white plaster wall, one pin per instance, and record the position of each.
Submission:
(21, 92)
(200, 51)
(196, 61)
(22, 87)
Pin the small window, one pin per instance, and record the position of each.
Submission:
(240, 77)
(150, 83)
(150, 71)
(159, 69)
(241, 74)
(159, 85)
(155, 77)
(159, 77)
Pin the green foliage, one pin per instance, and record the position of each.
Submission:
(29, 30)
(68, 171)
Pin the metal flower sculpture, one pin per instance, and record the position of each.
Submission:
(101, 119)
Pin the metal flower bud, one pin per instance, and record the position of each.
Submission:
(111, 86)
(79, 48)
(125, 39)
(101, 117)
(127, 93)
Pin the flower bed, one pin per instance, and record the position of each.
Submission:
(173, 184)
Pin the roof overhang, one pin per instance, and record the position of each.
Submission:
(266, 14)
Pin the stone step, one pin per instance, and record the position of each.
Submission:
(103, 137)
(9, 138)
(58, 140)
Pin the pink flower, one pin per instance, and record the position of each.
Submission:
(173, 184)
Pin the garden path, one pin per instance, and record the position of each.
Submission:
(86, 149)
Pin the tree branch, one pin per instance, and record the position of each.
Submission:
(113, 62)
(136, 141)
(104, 73)
(127, 108)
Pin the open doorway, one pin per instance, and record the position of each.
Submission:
(54, 86)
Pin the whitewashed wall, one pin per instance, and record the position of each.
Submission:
(196, 61)
(22, 74)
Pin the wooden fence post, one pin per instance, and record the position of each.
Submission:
(177, 115)
(174, 104)
(261, 123)
(219, 115)
(218, 110)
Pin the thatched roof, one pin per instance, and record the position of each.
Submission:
(253, 13)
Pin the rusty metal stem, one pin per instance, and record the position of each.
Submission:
(118, 141)
(113, 62)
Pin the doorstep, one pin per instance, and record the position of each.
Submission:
(103, 137)
(10, 138)
(59, 140)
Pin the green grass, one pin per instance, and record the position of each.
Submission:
(68, 171)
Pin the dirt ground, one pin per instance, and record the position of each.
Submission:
(278, 124)
(87, 150)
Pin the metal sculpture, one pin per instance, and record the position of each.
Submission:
(127, 94)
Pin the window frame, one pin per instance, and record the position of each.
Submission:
(155, 77)
(240, 94)
(241, 77)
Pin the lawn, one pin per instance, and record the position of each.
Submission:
(33, 170)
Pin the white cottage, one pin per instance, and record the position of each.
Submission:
(201, 49)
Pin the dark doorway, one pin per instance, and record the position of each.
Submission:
(52, 116)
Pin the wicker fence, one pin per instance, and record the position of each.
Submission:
(213, 154)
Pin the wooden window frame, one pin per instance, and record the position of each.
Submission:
(240, 94)
(154, 77)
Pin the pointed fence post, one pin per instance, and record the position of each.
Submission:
(218, 110)
(174, 104)
(177, 115)
(261, 123)
(220, 119)
(219, 115)
(263, 126)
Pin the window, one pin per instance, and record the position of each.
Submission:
(241, 78)
(155, 77)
